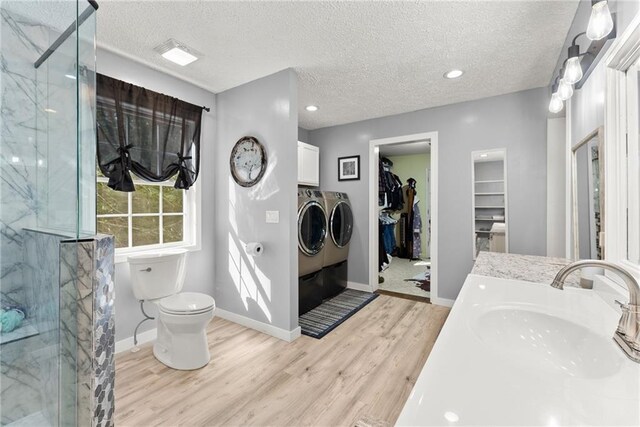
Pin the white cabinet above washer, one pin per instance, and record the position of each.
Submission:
(308, 164)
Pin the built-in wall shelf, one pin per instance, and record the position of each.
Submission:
(489, 200)
(26, 330)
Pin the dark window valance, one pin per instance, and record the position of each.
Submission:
(155, 136)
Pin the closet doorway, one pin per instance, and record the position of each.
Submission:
(403, 216)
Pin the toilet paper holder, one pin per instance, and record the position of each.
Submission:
(254, 248)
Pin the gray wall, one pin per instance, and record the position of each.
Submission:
(556, 202)
(303, 135)
(515, 121)
(200, 267)
(263, 288)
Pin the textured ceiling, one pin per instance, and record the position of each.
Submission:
(355, 60)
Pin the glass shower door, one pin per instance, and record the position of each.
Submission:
(47, 195)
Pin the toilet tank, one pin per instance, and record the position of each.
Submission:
(157, 275)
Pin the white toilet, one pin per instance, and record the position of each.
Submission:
(183, 317)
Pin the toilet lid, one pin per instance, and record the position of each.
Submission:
(187, 303)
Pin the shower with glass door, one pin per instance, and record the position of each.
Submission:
(48, 314)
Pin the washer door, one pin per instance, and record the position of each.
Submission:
(312, 228)
(341, 224)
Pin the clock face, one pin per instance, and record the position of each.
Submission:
(248, 161)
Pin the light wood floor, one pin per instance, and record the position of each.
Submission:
(364, 369)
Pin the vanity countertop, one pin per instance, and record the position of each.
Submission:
(530, 268)
(518, 353)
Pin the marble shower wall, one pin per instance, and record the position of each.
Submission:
(38, 202)
(38, 146)
(70, 381)
(87, 332)
(21, 362)
(22, 42)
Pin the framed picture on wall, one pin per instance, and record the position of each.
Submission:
(349, 168)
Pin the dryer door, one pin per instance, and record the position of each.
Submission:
(312, 228)
(341, 224)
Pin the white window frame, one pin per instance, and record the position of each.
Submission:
(191, 222)
(622, 55)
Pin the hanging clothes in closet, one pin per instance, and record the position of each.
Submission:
(410, 246)
(388, 232)
(383, 259)
(417, 230)
(389, 186)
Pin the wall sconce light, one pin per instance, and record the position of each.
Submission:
(565, 90)
(600, 30)
(573, 68)
(600, 21)
(555, 105)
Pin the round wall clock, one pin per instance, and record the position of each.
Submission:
(248, 161)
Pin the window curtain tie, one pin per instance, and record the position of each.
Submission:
(120, 179)
(185, 177)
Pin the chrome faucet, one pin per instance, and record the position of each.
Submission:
(627, 335)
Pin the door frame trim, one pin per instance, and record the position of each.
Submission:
(374, 148)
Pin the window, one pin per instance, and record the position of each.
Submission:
(155, 215)
(159, 137)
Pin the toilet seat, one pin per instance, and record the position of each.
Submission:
(187, 303)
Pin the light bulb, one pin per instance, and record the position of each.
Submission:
(600, 22)
(556, 105)
(573, 71)
(565, 90)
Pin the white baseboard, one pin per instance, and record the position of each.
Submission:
(266, 328)
(144, 337)
(442, 301)
(359, 286)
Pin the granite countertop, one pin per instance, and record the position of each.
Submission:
(529, 268)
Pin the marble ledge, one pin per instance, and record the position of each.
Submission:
(530, 268)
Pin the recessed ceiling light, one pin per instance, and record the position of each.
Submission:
(484, 155)
(453, 74)
(311, 108)
(177, 52)
(50, 110)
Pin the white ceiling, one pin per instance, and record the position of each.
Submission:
(355, 60)
(405, 149)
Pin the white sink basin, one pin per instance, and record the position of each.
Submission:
(515, 353)
(536, 340)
